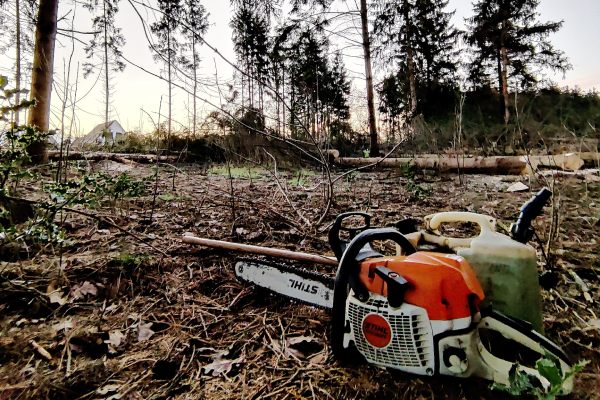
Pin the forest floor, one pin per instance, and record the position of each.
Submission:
(125, 310)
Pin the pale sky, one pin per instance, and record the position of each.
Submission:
(135, 90)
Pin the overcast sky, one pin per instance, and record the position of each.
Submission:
(135, 90)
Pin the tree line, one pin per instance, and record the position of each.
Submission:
(290, 75)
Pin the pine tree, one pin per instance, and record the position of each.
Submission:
(418, 40)
(436, 42)
(319, 86)
(392, 102)
(335, 100)
(509, 44)
(194, 26)
(337, 89)
(307, 69)
(394, 29)
(281, 55)
(107, 40)
(251, 43)
(167, 47)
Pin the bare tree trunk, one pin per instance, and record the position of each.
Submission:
(42, 75)
(504, 75)
(283, 124)
(169, 60)
(18, 59)
(277, 101)
(106, 88)
(195, 85)
(410, 66)
(506, 100)
(66, 97)
(369, 77)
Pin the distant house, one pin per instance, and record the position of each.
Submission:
(103, 134)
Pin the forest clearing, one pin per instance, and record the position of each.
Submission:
(123, 308)
(299, 199)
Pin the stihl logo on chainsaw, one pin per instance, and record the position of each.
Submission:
(305, 287)
(377, 330)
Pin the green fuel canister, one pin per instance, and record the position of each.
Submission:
(506, 269)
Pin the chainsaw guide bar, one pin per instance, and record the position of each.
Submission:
(308, 287)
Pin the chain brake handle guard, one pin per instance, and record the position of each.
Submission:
(347, 278)
(339, 245)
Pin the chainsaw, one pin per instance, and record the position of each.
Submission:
(418, 312)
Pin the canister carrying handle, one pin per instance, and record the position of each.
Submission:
(432, 223)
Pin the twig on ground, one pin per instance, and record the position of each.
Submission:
(40, 350)
(283, 192)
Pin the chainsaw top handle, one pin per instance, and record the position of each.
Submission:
(347, 277)
(338, 245)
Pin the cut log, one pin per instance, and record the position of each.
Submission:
(122, 158)
(590, 158)
(504, 165)
(567, 162)
(332, 154)
(442, 163)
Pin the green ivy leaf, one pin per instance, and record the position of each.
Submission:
(549, 370)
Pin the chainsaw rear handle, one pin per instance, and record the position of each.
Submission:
(347, 278)
(521, 231)
(338, 245)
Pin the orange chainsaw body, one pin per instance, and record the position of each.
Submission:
(443, 284)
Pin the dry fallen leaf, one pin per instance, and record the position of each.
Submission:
(57, 297)
(221, 366)
(115, 338)
(302, 346)
(106, 389)
(62, 325)
(86, 288)
(319, 358)
(144, 331)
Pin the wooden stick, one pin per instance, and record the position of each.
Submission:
(265, 251)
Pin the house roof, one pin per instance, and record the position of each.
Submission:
(103, 126)
(98, 130)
